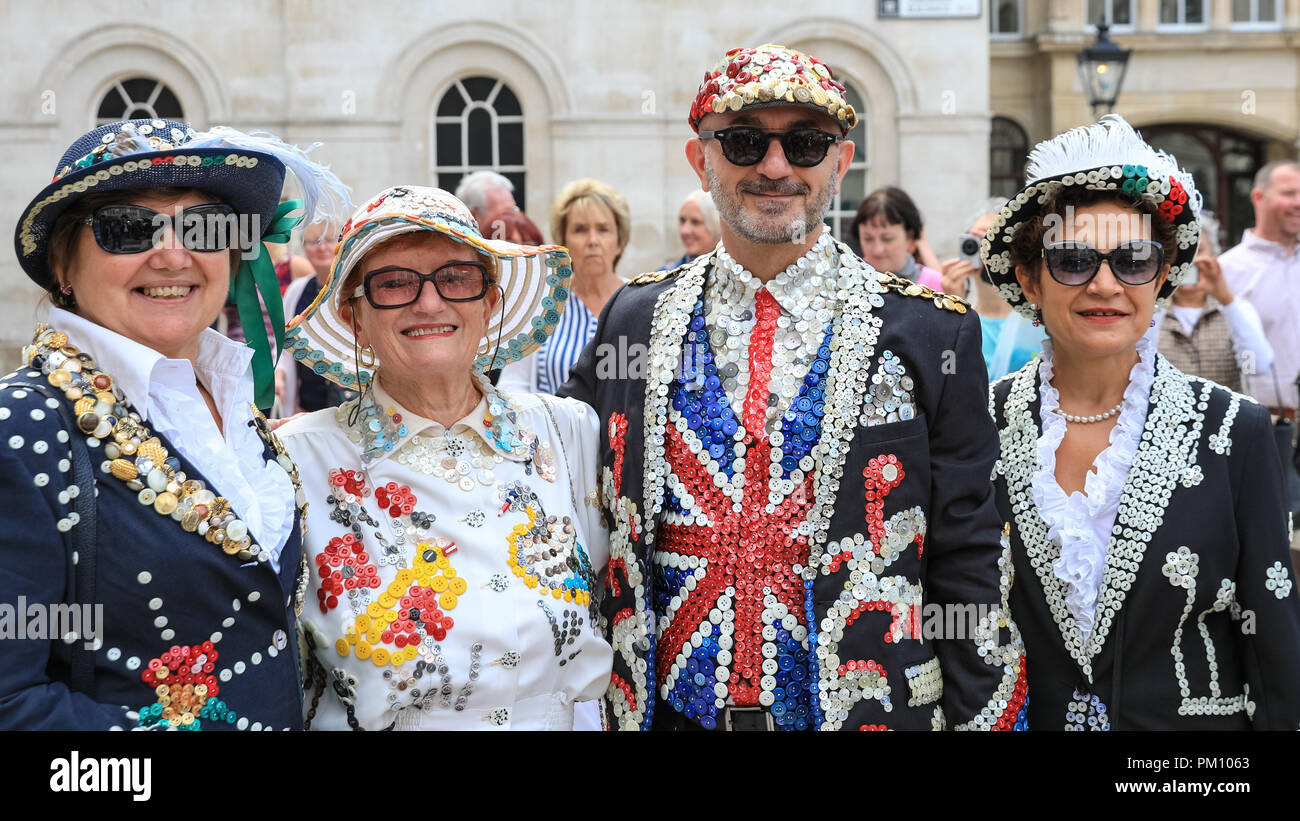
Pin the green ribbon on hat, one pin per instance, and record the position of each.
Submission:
(257, 276)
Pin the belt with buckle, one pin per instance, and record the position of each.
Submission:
(746, 719)
(1286, 413)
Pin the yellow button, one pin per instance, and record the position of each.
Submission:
(341, 647)
(404, 577)
(449, 571)
(375, 609)
(363, 650)
(395, 589)
(373, 634)
(447, 600)
(458, 586)
(398, 658)
(386, 600)
(363, 622)
(379, 657)
(390, 616)
(438, 584)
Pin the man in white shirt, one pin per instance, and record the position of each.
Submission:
(1265, 268)
(487, 194)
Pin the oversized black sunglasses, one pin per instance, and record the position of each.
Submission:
(134, 229)
(1136, 262)
(747, 145)
(395, 287)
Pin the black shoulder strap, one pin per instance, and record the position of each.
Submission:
(81, 573)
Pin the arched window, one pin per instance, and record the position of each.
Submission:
(139, 98)
(854, 188)
(1008, 147)
(479, 126)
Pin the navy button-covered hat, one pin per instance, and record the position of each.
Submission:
(134, 154)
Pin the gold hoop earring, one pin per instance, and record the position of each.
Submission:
(362, 358)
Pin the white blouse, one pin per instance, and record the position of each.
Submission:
(453, 571)
(164, 392)
(1081, 522)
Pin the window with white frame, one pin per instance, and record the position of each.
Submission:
(1183, 14)
(1256, 13)
(1006, 18)
(479, 126)
(854, 188)
(138, 98)
(1119, 14)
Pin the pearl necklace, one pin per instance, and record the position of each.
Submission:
(1086, 419)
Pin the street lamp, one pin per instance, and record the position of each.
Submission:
(1101, 69)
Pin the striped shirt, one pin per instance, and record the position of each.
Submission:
(575, 329)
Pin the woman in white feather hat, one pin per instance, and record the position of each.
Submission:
(1145, 506)
(455, 558)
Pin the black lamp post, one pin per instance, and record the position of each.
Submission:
(1101, 69)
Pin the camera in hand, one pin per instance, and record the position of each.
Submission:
(968, 249)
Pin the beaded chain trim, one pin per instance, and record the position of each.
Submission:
(137, 458)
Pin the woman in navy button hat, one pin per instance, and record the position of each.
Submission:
(150, 541)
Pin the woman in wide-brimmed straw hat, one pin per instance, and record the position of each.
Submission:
(1146, 510)
(142, 490)
(455, 556)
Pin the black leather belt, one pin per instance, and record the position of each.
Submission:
(733, 719)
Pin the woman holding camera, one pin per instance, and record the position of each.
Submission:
(1206, 330)
(1009, 340)
(1145, 507)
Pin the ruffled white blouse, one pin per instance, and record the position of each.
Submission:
(1080, 523)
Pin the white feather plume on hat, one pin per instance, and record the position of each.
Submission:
(324, 195)
(1110, 141)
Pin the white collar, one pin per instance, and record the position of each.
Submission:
(1252, 240)
(136, 367)
(806, 278)
(385, 425)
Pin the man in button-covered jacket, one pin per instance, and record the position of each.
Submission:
(797, 456)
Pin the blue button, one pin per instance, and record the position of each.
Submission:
(785, 662)
(778, 709)
(708, 722)
(729, 426)
(717, 451)
(712, 383)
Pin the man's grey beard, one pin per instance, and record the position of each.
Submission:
(733, 213)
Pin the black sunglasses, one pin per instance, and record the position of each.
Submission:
(134, 229)
(747, 145)
(395, 287)
(1133, 263)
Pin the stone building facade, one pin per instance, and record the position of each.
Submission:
(421, 92)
